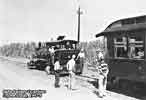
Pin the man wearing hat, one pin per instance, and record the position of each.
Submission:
(57, 69)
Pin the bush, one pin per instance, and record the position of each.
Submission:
(90, 49)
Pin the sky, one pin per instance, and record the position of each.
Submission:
(41, 20)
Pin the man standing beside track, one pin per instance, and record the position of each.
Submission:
(71, 68)
(57, 72)
(102, 72)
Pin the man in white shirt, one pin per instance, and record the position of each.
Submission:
(57, 71)
(51, 50)
(71, 69)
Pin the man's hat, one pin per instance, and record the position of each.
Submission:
(73, 56)
(82, 49)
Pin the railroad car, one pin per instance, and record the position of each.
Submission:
(126, 51)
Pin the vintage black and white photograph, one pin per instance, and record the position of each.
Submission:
(72, 50)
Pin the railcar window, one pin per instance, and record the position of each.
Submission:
(69, 45)
(62, 46)
(136, 47)
(120, 47)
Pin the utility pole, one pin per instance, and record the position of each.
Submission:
(79, 13)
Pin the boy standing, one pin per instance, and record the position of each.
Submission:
(103, 72)
(71, 67)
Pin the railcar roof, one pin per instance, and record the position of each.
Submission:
(60, 42)
(128, 27)
(64, 41)
(52, 43)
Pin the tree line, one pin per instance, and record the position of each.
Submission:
(27, 49)
(18, 49)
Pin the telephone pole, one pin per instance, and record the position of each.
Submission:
(79, 12)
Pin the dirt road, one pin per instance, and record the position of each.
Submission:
(17, 76)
